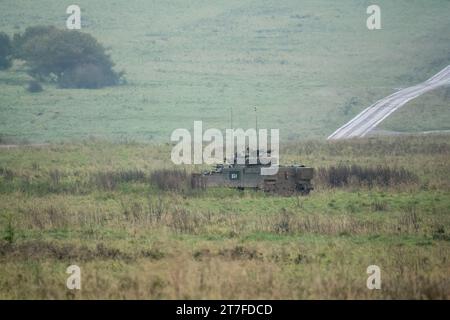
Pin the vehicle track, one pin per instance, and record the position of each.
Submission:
(370, 117)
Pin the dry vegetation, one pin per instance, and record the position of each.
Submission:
(137, 230)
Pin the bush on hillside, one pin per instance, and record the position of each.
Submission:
(5, 51)
(34, 86)
(71, 58)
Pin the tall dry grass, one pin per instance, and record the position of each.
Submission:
(359, 176)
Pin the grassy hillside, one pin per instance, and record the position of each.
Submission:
(96, 205)
(309, 66)
(428, 112)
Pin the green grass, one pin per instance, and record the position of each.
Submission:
(428, 112)
(135, 241)
(309, 66)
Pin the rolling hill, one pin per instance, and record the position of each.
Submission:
(309, 66)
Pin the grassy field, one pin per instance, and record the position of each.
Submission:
(93, 196)
(428, 112)
(95, 204)
(309, 66)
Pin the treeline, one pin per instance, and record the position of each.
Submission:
(69, 58)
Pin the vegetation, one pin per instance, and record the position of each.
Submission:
(34, 86)
(428, 112)
(309, 66)
(98, 197)
(74, 59)
(106, 208)
(342, 175)
(5, 51)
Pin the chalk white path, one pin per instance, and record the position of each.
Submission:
(370, 117)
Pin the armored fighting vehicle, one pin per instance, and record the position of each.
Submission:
(288, 180)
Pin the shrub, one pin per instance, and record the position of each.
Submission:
(89, 76)
(354, 175)
(72, 58)
(5, 51)
(9, 231)
(170, 180)
(110, 179)
(34, 86)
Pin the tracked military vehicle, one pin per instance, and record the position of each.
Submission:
(295, 179)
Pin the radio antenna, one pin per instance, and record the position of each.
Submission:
(256, 119)
(231, 117)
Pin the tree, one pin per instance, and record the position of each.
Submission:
(72, 58)
(5, 51)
